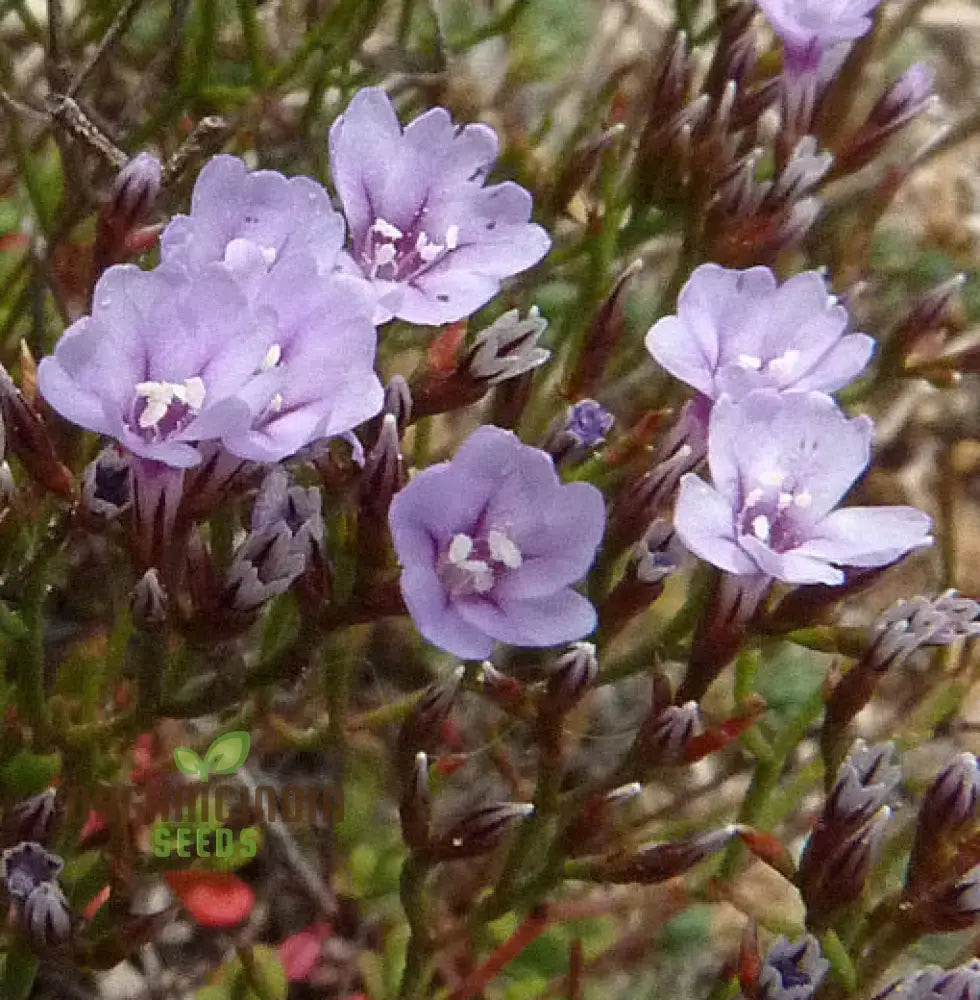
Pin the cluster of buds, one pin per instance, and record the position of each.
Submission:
(907, 626)
(842, 847)
(286, 542)
(121, 232)
(962, 983)
(29, 873)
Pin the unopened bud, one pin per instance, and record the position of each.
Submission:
(479, 832)
(149, 601)
(602, 337)
(47, 918)
(504, 689)
(28, 439)
(666, 733)
(574, 673)
(924, 322)
(581, 166)
(107, 488)
(24, 867)
(135, 191)
(937, 984)
(948, 810)
(658, 862)
(422, 728)
(33, 819)
(384, 471)
(593, 825)
(792, 970)
(398, 401)
(415, 809)
(583, 429)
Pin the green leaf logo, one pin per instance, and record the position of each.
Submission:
(188, 762)
(227, 753)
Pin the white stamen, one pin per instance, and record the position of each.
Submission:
(504, 550)
(772, 478)
(386, 230)
(785, 361)
(271, 358)
(270, 254)
(275, 404)
(760, 527)
(754, 497)
(426, 250)
(159, 396)
(460, 548)
(193, 394)
(785, 500)
(384, 254)
(749, 361)
(452, 237)
(803, 499)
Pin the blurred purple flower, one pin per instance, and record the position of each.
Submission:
(432, 240)
(251, 220)
(808, 28)
(168, 360)
(490, 544)
(792, 970)
(736, 331)
(780, 463)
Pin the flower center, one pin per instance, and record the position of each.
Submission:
(164, 407)
(781, 365)
(473, 565)
(396, 256)
(770, 511)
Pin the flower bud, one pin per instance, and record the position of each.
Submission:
(504, 689)
(28, 439)
(479, 832)
(658, 862)
(24, 867)
(415, 809)
(107, 488)
(948, 810)
(592, 826)
(937, 984)
(148, 603)
(507, 348)
(47, 918)
(135, 191)
(602, 337)
(398, 401)
(573, 674)
(33, 819)
(583, 429)
(792, 970)
(265, 565)
(384, 472)
(422, 728)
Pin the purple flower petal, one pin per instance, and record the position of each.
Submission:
(703, 519)
(868, 536)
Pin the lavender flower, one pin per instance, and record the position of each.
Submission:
(792, 970)
(251, 220)
(432, 240)
(962, 983)
(490, 544)
(167, 361)
(736, 331)
(809, 28)
(780, 463)
(24, 867)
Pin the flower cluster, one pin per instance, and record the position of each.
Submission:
(781, 453)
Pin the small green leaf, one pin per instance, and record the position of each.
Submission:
(187, 761)
(227, 753)
(19, 970)
(29, 773)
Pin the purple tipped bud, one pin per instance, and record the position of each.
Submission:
(422, 729)
(904, 100)
(479, 832)
(947, 811)
(32, 819)
(583, 428)
(279, 501)
(264, 566)
(384, 470)
(792, 970)
(47, 918)
(659, 862)
(864, 782)
(135, 191)
(664, 735)
(107, 486)
(574, 673)
(508, 348)
(581, 165)
(736, 51)
(148, 603)
(24, 867)
(415, 809)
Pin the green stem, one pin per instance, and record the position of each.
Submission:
(415, 974)
(30, 680)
